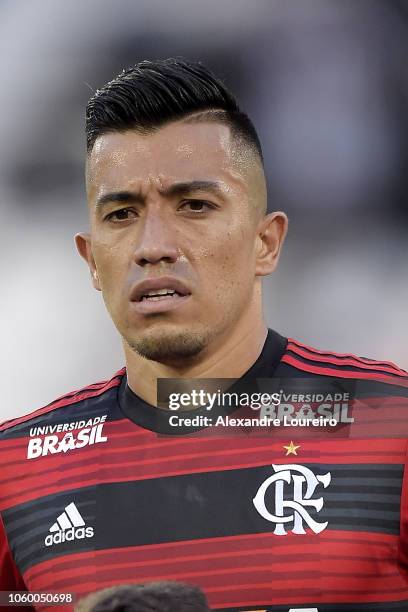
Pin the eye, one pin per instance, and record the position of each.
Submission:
(122, 214)
(196, 206)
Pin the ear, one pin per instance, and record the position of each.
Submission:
(271, 232)
(83, 245)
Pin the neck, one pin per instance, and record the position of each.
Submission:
(233, 353)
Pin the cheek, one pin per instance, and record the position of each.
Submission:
(235, 250)
(111, 265)
(228, 264)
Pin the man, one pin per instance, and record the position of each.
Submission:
(103, 486)
(165, 596)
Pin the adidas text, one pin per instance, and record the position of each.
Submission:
(69, 535)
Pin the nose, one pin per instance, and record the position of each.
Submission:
(157, 240)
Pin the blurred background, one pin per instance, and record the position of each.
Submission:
(326, 84)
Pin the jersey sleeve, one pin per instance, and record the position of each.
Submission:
(10, 577)
(403, 541)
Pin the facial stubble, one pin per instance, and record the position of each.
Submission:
(171, 347)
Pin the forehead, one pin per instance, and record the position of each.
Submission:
(176, 152)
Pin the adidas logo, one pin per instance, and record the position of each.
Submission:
(69, 526)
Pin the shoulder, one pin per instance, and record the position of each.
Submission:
(342, 365)
(95, 390)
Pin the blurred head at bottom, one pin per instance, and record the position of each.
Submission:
(164, 596)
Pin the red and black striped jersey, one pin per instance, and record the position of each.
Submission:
(307, 513)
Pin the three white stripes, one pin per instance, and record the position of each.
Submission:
(69, 518)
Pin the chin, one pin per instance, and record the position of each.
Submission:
(169, 346)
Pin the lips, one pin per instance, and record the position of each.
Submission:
(156, 289)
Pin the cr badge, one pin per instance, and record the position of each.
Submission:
(297, 476)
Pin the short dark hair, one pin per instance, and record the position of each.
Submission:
(163, 596)
(153, 93)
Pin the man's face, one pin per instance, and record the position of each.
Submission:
(176, 208)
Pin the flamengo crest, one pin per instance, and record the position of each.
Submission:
(303, 483)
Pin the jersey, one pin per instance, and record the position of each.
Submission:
(308, 513)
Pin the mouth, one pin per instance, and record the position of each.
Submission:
(159, 295)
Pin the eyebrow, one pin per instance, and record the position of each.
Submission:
(177, 189)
